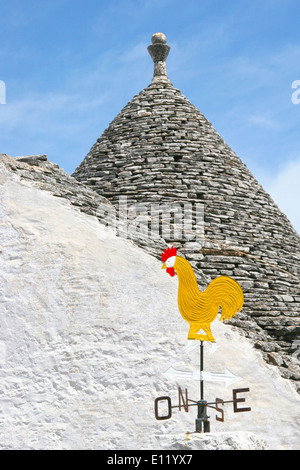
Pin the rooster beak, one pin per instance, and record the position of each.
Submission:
(163, 266)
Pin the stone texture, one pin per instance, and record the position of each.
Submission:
(218, 441)
(81, 307)
(37, 171)
(161, 149)
(89, 325)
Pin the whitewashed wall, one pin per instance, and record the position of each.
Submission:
(89, 323)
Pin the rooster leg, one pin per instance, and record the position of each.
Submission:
(194, 327)
(209, 334)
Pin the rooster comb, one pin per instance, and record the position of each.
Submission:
(167, 253)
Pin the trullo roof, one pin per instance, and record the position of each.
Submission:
(161, 148)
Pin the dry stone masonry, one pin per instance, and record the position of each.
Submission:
(38, 171)
(82, 307)
(89, 329)
(161, 149)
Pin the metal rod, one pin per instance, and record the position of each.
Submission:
(208, 404)
(201, 370)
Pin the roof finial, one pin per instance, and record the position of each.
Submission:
(159, 51)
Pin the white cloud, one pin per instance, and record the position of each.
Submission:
(136, 53)
(264, 122)
(30, 112)
(285, 191)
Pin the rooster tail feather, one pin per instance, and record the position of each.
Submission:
(226, 293)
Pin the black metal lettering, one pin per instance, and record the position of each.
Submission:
(220, 410)
(239, 400)
(185, 402)
(157, 400)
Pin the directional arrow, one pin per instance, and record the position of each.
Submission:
(213, 348)
(228, 377)
(193, 345)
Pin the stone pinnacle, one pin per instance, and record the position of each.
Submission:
(159, 51)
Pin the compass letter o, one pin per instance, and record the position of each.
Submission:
(157, 400)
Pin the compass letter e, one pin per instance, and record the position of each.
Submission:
(236, 400)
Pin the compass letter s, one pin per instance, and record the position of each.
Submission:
(221, 402)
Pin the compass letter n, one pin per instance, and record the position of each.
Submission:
(180, 397)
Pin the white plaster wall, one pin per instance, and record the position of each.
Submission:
(89, 323)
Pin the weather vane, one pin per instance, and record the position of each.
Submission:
(200, 309)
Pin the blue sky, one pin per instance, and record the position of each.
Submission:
(70, 66)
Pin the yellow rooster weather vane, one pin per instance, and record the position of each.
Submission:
(198, 308)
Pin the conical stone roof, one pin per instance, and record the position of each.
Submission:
(160, 148)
